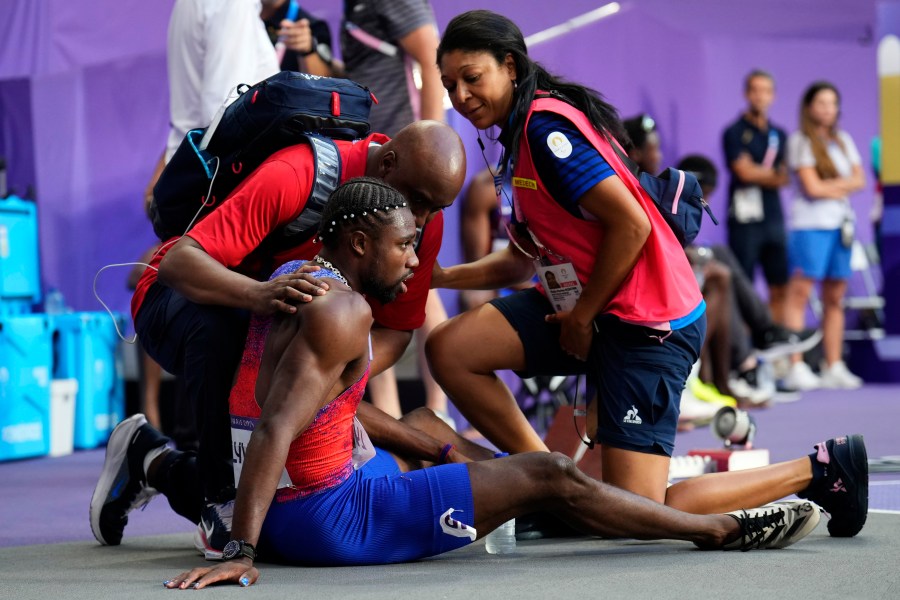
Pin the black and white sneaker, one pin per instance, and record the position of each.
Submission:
(778, 341)
(214, 530)
(123, 485)
(844, 491)
(774, 526)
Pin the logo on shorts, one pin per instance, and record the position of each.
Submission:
(451, 526)
(632, 417)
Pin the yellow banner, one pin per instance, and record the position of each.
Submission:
(889, 84)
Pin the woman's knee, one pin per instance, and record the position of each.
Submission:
(833, 293)
(438, 347)
(453, 344)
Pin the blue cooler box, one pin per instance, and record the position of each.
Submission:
(26, 359)
(87, 349)
(20, 285)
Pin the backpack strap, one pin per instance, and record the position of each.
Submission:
(327, 161)
(626, 160)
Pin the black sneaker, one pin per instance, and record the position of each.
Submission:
(780, 341)
(123, 486)
(844, 491)
(214, 530)
(774, 526)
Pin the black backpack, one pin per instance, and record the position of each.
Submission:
(285, 109)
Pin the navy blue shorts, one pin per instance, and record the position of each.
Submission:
(763, 243)
(376, 516)
(639, 372)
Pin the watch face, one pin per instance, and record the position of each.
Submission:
(324, 52)
(231, 550)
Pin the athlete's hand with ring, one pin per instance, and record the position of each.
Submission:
(575, 337)
(283, 293)
(240, 571)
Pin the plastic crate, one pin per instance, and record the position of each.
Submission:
(26, 359)
(20, 285)
(62, 416)
(87, 349)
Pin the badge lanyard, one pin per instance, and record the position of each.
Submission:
(556, 272)
(768, 160)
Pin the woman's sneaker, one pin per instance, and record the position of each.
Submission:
(774, 526)
(844, 490)
(123, 485)
(707, 392)
(839, 377)
(780, 341)
(801, 378)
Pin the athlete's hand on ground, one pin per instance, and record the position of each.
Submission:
(286, 291)
(239, 571)
(574, 337)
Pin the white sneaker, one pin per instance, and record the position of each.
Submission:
(780, 367)
(694, 409)
(801, 378)
(839, 377)
(776, 525)
(756, 394)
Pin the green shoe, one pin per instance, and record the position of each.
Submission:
(708, 393)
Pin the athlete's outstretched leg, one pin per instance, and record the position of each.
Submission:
(524, 483)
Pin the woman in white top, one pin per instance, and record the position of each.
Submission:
(827, 168)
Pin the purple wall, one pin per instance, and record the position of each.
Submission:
(96, 98)
(84, 130)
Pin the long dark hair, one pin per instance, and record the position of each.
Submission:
(486, 31)
(824, 165)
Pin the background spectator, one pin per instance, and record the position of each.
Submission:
(754, 151)
(828, 169)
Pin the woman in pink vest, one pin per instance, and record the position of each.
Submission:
(624, 307)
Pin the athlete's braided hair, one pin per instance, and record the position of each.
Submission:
(362, 203)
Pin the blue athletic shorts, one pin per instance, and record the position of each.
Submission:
(639, 372)
(382, 464)
(819, 254)
(377, 516)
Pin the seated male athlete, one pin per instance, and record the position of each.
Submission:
(300, 499)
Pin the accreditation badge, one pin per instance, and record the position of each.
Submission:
(561, 284)
(747, 204)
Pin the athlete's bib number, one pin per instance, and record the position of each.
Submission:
(241, 429)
